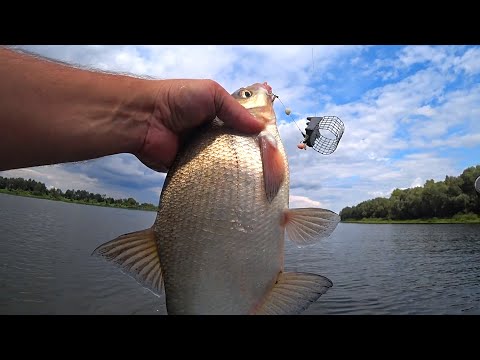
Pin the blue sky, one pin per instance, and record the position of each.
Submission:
(411, 113)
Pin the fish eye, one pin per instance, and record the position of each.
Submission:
(245, 93)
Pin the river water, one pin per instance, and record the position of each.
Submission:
(46, 265)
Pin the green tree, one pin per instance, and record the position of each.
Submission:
(454, 195)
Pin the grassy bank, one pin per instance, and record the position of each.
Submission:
(457, 219)
(82, 202)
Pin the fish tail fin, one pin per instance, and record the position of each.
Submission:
(136, 255)
(293, 293)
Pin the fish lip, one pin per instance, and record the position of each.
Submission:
(263, 86)
(267, 87)
(269, 90)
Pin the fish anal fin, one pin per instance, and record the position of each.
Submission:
(293, 293)
(136, 255)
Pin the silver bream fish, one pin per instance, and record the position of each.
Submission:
(217, 244)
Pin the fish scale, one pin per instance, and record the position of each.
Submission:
(230, 241)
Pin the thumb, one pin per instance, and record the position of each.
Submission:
(233, 114)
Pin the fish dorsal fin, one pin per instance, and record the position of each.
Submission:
(306, 226)
(293, 293)
(136, 255)
(273, 164)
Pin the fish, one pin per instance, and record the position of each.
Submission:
(217, 244)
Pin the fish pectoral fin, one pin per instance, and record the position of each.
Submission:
(306, 226)
(136, 255)
(293, 293)
(273, 164)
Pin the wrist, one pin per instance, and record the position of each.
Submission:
(131, 119)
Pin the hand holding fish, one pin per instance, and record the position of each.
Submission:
(183, 105)
(53, 113)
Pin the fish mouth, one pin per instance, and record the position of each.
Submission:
(267, 87)
(263, 86)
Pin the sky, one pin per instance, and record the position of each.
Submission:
(411, 113)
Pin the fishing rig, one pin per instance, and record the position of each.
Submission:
(322, 134)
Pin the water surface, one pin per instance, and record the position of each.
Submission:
(46, 265)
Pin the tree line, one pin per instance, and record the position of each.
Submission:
(22, 186)
(454, 196)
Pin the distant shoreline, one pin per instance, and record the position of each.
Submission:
(415, 221)
(458, 220)
(26, 194)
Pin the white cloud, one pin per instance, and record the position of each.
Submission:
(303, 201)
(375, 194)
(412, 55)
(459, 108)
(470, 61)
(417, 182)
(56, 176)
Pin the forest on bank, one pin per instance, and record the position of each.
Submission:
(455, 197)
(23, 187)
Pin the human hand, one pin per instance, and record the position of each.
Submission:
(182, 105)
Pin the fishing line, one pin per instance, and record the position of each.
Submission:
(313, 63)
(288, 111)
(313, 71)
(323, 133)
